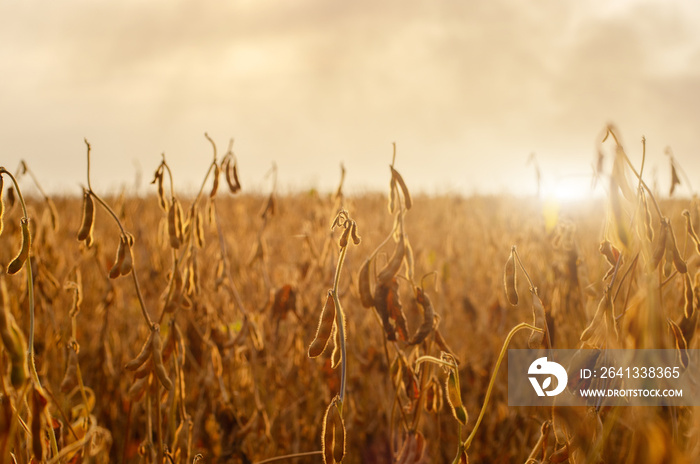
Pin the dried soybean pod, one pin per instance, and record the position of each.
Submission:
(325, 327)
(237, 183)
(39, 402)
(336, 355)
(454, 397)
(199, 229)
(392, 195)
(363, 284)
(157, 357)
(356, 239)
(660, 246)
(141, 357)
(88, 220)
(115, 271)
(668, 259)
(328, 435)
(18, 262)
(688, 225)
(510, 279)
(689, 294)
(145, 370)
(161, 192)
(179, 219)
(339, 434)
(399, 180)
(681, 343)
(172, 227)
(128, 263)
(343, 242)
(538, 339)
(394, 264)
(677, 260)
(428, 317)
(225, 166)
(215, 186)
(433, 396)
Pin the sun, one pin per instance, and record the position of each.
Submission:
(570, 189)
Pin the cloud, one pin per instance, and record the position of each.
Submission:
(474, 85)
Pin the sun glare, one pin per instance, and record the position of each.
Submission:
(569, 189)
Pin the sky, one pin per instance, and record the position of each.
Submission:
(467, 89)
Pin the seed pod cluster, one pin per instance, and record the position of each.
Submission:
(17, 263)
(325, 327)
(125, 261)
(150, 358)
(333, 434)
(157, 356)
(510, 279)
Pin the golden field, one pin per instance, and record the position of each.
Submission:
(198, 350)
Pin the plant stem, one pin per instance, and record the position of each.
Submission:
(513, 331)
(109, 210)
(341, 324)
